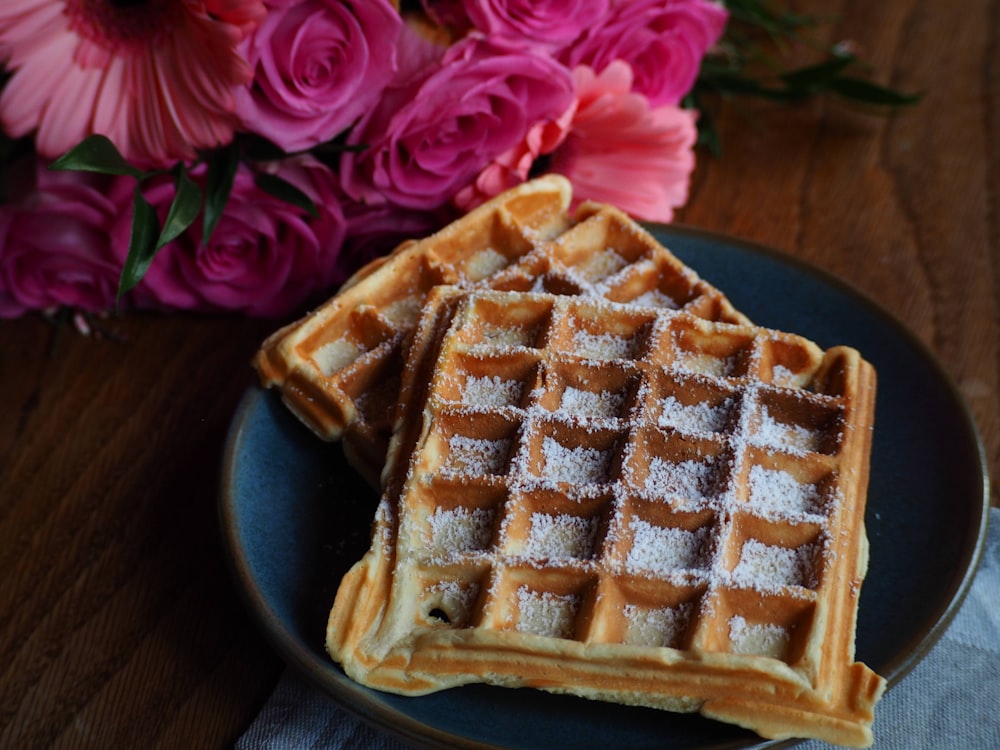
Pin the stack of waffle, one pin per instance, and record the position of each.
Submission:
(338, 368)
(598, 479)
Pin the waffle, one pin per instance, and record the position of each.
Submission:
(623, 503)
(338, 368)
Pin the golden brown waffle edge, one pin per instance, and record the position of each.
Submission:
(754, 415)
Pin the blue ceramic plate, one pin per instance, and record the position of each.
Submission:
(295, 517)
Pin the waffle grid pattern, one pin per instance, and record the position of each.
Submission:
(648, 496)
(582, 477)
(339, 367)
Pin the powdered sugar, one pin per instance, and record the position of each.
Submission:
(687, 479)
(701, 416)
(783, 376)
(760, 639)
(505, 336)
(453, 598)
(656, 627)
(404, 312)
(475, 456)
(662, 550)
(601, 265)
(777, 492)
(770, 567)
(546, 613)
(336, 355)
(460, 530)
(791, 438)
(491, 391)
(561, 536)
(627, 481)
(707, 364)
(581, 403)
(485, 263)
(655, 298)
(602, 345)
(574, 464)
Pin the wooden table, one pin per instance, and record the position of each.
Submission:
(119, 623)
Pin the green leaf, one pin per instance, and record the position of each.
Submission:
(866, 92)
(219, 184)
(96, 153)
(760, 13)
(817, 77)
(184, 208)
(286, 191)
(257, 148)
(142, 244)
(728, 82)
(708, 137)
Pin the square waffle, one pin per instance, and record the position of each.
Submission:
(623, 503)
(338, 368)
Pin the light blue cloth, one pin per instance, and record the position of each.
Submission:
(950, 701)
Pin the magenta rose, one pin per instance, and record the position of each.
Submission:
(431, 135)
(266, 256)
(318, 64)
(513, 167)
(543, 24)
(663, 41)
(55, 246)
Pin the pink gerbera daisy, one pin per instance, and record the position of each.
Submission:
(621, 151)
(155, 76)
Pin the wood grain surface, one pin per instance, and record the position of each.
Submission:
(119, 623)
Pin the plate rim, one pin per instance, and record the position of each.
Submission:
(301, 658)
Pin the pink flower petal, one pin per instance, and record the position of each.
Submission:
(622, 152)
(159, 99)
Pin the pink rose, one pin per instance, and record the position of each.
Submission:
(266, 256)
(542, 24)
(431, 135)
(663, 40)
(55, 247)
(512, 167)
(621, 151)
(318, 64)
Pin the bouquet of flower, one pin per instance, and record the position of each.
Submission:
(248, 155)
